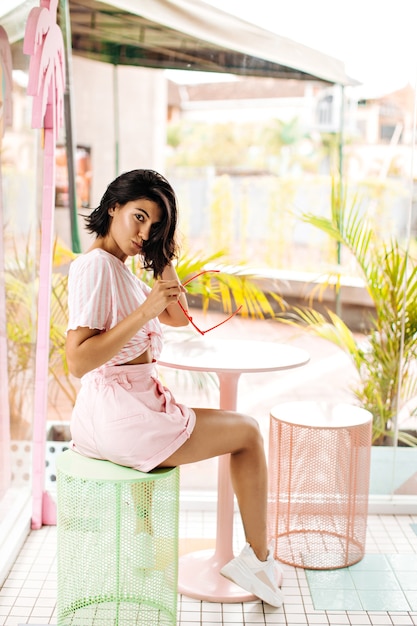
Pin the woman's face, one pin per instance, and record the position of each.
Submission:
(130, 226)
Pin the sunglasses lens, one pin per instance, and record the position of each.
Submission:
(190, 319)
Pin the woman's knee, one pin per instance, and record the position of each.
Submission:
(252, 430)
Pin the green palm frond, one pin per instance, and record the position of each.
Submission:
(233, 286)
(352, 230)
(329, 327)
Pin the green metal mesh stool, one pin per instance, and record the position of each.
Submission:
(117, 544)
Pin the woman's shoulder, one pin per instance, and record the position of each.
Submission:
(94, 267)
(94, 259)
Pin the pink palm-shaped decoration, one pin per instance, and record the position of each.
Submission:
(6, 114)
(44, 43)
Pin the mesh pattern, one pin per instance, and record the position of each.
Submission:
(117, 549)
(318, 493)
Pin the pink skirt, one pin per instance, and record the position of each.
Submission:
(125, 415)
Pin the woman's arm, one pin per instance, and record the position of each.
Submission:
(173, 314)
(87, 349)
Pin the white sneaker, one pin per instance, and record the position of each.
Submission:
(257, 577)
(279, 572)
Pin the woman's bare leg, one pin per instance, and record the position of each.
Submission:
(220, 432)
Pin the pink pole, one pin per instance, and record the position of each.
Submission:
(42, 512)
(44, 42)
(225, 501)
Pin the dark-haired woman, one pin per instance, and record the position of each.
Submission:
(123, 413)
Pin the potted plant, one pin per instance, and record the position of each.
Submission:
(385, 360)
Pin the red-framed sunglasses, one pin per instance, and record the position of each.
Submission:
(203, 332)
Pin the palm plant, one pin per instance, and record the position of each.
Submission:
(385, 361)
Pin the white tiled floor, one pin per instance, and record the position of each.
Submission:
(29, 593)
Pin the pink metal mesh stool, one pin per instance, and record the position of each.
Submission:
(319, 464)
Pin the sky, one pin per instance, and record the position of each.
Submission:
(376, 39)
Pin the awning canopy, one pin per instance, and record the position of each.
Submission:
(186, 35)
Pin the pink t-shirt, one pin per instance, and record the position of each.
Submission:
(102, 291)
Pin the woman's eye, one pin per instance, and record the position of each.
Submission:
(139, 217)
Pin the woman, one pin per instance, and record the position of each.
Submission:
(123, 413)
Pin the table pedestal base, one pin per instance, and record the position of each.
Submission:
(199, 577)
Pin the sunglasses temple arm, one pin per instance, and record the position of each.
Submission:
(189, 318)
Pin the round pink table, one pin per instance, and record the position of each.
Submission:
(199, 572)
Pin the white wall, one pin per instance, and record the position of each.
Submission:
(142, 107)
(240, 111)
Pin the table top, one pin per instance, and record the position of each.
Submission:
(231, 355)
(321, 414)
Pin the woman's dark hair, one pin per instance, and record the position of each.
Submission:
(161, 246)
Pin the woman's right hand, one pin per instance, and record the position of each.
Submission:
(164, 293)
